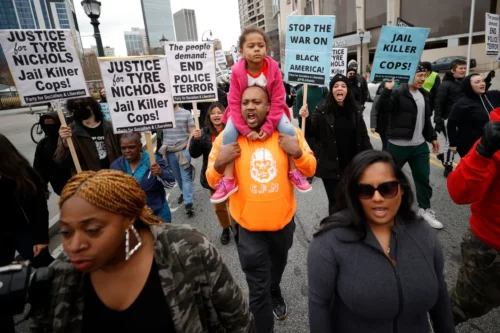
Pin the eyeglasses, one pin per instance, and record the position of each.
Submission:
(388, 190)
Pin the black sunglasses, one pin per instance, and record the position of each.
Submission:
(388, 190)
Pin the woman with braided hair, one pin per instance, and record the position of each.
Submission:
(127, 271)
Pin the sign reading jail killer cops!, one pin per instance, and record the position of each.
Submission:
(44, 64)
(309, 42)
(138, 93)
(492, 25)
(191, 66)
(398, 53)
(339, 61)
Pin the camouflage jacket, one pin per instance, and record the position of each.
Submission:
(198, 287)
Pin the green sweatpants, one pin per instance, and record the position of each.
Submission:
(418, 159)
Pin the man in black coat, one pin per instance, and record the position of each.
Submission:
(448, 93)
(358, 85)
(408, 130)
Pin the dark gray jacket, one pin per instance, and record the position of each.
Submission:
(353, 286)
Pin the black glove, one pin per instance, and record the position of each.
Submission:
(439, 127)
(490, 76)
(490, 142)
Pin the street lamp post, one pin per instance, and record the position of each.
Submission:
(163, 41)
(361, 35)
(93, 10)
(203, 34)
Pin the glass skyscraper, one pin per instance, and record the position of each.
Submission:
(158, 21)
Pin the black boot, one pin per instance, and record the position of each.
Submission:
(447, 170)
(225, 237)
(189, 210)
(181, 199)
(279, 305)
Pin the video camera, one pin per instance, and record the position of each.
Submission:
(17, 287)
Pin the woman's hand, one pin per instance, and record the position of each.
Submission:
(38, 248)
(435, 146)
(65, 133)
(263, 136)
(372, 130)
(197, 134)
(155, 169)
(390, 85)
(304, 112)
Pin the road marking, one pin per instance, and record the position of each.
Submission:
(172, 209)
(436, 163)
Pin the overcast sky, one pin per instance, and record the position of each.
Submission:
(117, 16)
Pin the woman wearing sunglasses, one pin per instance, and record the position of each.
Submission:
(374, 266)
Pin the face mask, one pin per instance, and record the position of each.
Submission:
(82, 113)
(51, 130)
(352, 78)
(103, 98)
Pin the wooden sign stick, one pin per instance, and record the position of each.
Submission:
(304, 102)
(69, 140)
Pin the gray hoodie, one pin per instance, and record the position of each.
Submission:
(353, 287)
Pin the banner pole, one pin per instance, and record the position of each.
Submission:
(196, 120)
(69, 140)
(304, 102)
(149, 147)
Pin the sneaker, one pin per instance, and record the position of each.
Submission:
(279, 305)
(225, 187)
(447, 170)
(225, 238)
(297, 178)
(189, 210)
(430, 217)
(180, 199)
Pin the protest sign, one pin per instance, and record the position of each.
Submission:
(492, 25)
(44, 64)
(309, 42)
(339, 61)
(402, 23)
(105, 110)
(191, 66)
(220, 57)
(235, 54)
(138, 93)
(218, 72)
(398, 53)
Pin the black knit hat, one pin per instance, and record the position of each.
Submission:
(352, 69)
(337, 78)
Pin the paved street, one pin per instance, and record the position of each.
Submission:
(312, 208)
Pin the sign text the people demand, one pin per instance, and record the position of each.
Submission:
(44, 64)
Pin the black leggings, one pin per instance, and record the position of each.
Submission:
(331, 186)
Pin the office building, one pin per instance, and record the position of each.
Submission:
(158, 21)
(185, 26)
(134, 41)
(257, 13)
(261, 13)
(62, 15)
(448, 21)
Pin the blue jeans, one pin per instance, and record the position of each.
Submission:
(183, 177)
(231, 134)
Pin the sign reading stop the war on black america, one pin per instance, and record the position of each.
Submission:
(191, 67)
(138, 93)
(44, 64)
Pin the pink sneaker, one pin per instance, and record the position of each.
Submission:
(225, 187)
(297, 178)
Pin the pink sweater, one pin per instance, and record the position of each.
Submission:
(275, 88)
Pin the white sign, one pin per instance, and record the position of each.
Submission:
(138, 93)
(44, 64)
(218, 72)
(220, 57)
(492, 25)
(339, 61)
(235, 54)
(191, 66)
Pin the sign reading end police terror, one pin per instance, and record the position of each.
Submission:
(138, 93)
(191, 66)
(309, 41)
(44, 64)
(398, 53)
(492, 26)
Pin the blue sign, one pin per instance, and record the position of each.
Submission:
(309, 42)
(105, 110)
(398, 53)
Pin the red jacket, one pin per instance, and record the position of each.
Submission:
(275, 88)
(476, 181)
